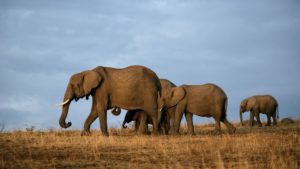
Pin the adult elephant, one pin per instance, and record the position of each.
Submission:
(137, 115)
(131, 88)
(206, 100)
(265, 104)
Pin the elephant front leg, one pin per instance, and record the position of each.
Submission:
(178, 116)
(251, 118)
(258, 119)
(190, 125)
(102, 114)
(90, 119)
(87, 124)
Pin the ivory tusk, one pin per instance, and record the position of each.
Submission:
(63, 103)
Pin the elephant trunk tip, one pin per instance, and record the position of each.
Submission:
(123, 125)
(65, 125)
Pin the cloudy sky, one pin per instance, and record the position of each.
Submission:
(246, 47)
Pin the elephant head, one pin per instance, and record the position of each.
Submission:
(174, 97)
(243, 108)
(80, 85)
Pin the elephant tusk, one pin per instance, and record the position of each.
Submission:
(63, 103)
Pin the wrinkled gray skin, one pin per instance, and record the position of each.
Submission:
(206, 100)
(265, 104)
(111, 88)
(137, 115)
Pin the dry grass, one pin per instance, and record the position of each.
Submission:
(265, 147)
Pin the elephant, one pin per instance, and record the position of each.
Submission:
(136, 115)
(134, 87)
(207, 100)
(265, 104)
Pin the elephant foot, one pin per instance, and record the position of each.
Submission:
(217, 131)
(105, 134)
(85, 133)
(172, 133)
(141, 133)
(259, 125)
(232, 130)
(192, 134)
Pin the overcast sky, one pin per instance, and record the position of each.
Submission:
(245, 47)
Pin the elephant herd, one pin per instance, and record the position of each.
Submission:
(150, 100)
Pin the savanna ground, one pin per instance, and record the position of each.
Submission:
(264, 147)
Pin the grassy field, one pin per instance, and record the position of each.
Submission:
(265, 147)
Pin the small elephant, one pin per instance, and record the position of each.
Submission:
(137, 115)
(265, 104)
(131, 88)
(206, 100)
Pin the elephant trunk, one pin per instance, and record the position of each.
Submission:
(116, 111)
(63, 116)
(65, 108)
(241, 117)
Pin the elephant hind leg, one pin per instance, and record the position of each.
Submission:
(217, 126)
(269, 120)
(274, 119)
(229, 126)
(142, 124)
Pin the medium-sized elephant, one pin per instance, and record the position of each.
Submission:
(265, 104)
(137, 115)
(206, 100)
(131, 88)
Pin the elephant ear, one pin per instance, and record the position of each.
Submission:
(90, 81)
(244, 103)
(177, 94)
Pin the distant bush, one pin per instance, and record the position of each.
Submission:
(286, 121)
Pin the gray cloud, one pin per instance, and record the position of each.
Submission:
(245, 47)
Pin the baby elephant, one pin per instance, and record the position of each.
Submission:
(137, 115)
(265, 104)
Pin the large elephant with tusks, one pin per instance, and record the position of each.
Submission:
(131, 88)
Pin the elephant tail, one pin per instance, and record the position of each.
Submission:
(224, 112)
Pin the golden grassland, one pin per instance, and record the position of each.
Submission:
(256, 147)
